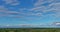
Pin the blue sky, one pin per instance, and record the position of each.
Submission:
(29, 11)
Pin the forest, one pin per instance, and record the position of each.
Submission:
(29, 29)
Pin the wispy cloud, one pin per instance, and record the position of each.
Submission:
(52, 7)
(41, 2)
(6, 12)
(38, 10)
(12, 2)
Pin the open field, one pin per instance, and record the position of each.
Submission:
(29, 29)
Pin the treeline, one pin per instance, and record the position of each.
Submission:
(29, 29)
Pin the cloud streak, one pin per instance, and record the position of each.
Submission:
(54, 6)
(39, 10)
(12, 2)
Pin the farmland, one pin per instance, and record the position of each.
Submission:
(29, 29)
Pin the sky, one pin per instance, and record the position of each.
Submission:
(15, 12)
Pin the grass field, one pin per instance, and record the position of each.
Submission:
(29, 29)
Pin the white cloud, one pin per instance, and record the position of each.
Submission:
(53, 7)
(6, 12)
(40, 2)
(12, 2)
(2, 9)
(41, 8)
(38, 7)
(57, 23)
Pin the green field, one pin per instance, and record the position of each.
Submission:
(29, 29)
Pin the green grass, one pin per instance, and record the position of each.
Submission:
(29, 29)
